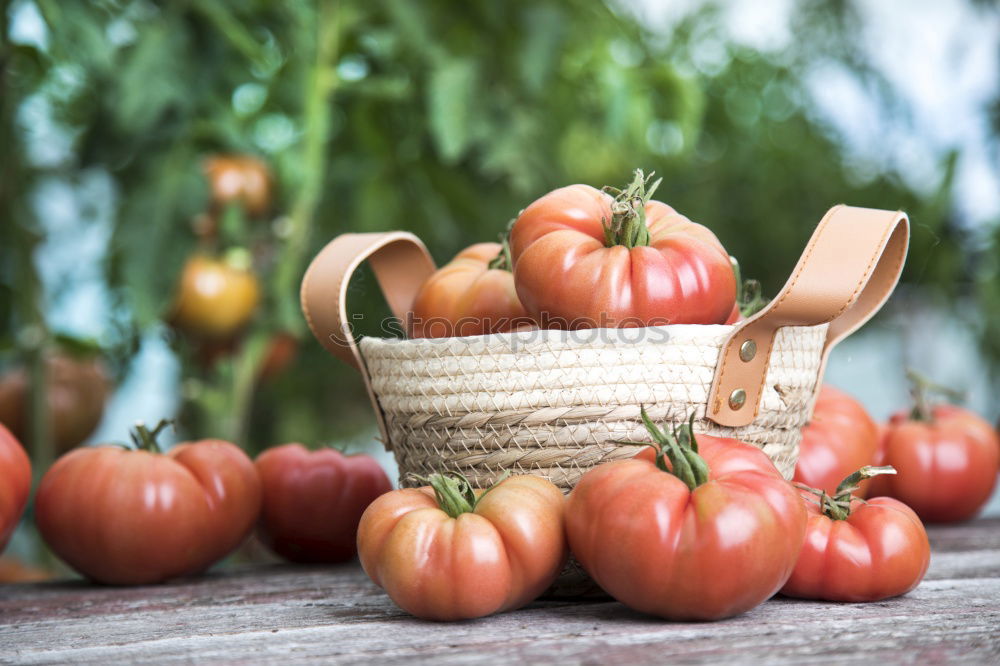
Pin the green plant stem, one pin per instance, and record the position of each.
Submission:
(321, 86)
(680, 448)
(921, 388)
(838, 506)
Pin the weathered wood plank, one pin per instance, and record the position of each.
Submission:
(295, 614)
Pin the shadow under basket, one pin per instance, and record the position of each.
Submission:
(554, 403)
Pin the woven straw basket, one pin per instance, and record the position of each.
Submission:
(553, 403)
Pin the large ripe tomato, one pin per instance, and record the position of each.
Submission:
(840, 438)
(15, 482)
(859, 551)
(76, 392)
(214, 299)
(130, 517)
(715, 540)
(443, 554)
(313, 501)
(946, 458)
(583, 259)
(241, 179)
(471, 295)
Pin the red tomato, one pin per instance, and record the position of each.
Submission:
(242, 179)
(840, 438)
(214, 299)
(649, 266)
(443, 554)
(76, 391)
(659, 546)
(947, 462)
(313, 501)
(859, 551)
(468, 297)
(128, 517)
(15, 482)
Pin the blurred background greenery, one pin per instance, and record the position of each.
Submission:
(446, 118)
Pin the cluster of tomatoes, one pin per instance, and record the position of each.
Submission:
(580, 257)
(133, 514)
(694, 528)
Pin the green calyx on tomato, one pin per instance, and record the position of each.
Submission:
(144, 439)
(454, 492)
(503, 260)
(838, 505)
(680, 448)
(921, 388)
(628, 212)
(749, 294)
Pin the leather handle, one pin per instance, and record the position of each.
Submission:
(401, 264)
(846, 273)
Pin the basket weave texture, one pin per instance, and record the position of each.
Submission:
(553, 403)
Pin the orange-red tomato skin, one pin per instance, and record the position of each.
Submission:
(467, 297)
(437, 567)
(705, 554)
(135, 517)
(313, 501)
(15, 483)
(946, 467)
(840, 439)
(879, 551)
(567, 278)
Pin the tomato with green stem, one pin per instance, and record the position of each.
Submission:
(705, 528)
(586, 258)
(858, 550)
(129, 516)
(313, 501)
(946, 457)
(446, 552)
(473, 294)
(15, 482)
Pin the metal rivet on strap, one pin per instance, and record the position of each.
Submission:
(748, 350)
(737, 398)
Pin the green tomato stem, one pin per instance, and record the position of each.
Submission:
(921, 387)
(680, 448)
(628, 212)
(145, 439)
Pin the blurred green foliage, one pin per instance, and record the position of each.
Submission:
(438, 117)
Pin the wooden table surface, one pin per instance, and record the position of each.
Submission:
(291, 614)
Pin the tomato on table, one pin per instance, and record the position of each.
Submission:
(859, 550)
(840, 438)
(313, 501)
(15, 482)
(445, 552)
(473, 294)
(704, 529)
(134, 516)
(585, 259)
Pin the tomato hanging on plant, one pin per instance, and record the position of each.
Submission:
(445, 552)
(946, 458)
(840, 438)
(15, 482)
(705, 530)
(859, 550)
(473, 294)
(240, 179)
(215, 298)
(585, 259)
(313, 501)
(135, 516)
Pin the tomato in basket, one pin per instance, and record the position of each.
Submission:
(858, 550)
(703, 529)
(473, 294)
(446, 552)
(840, 438)
(585, 259)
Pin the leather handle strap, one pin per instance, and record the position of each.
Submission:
(846, 273)
(400, 262)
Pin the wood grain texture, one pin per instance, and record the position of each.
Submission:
(293, 614)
